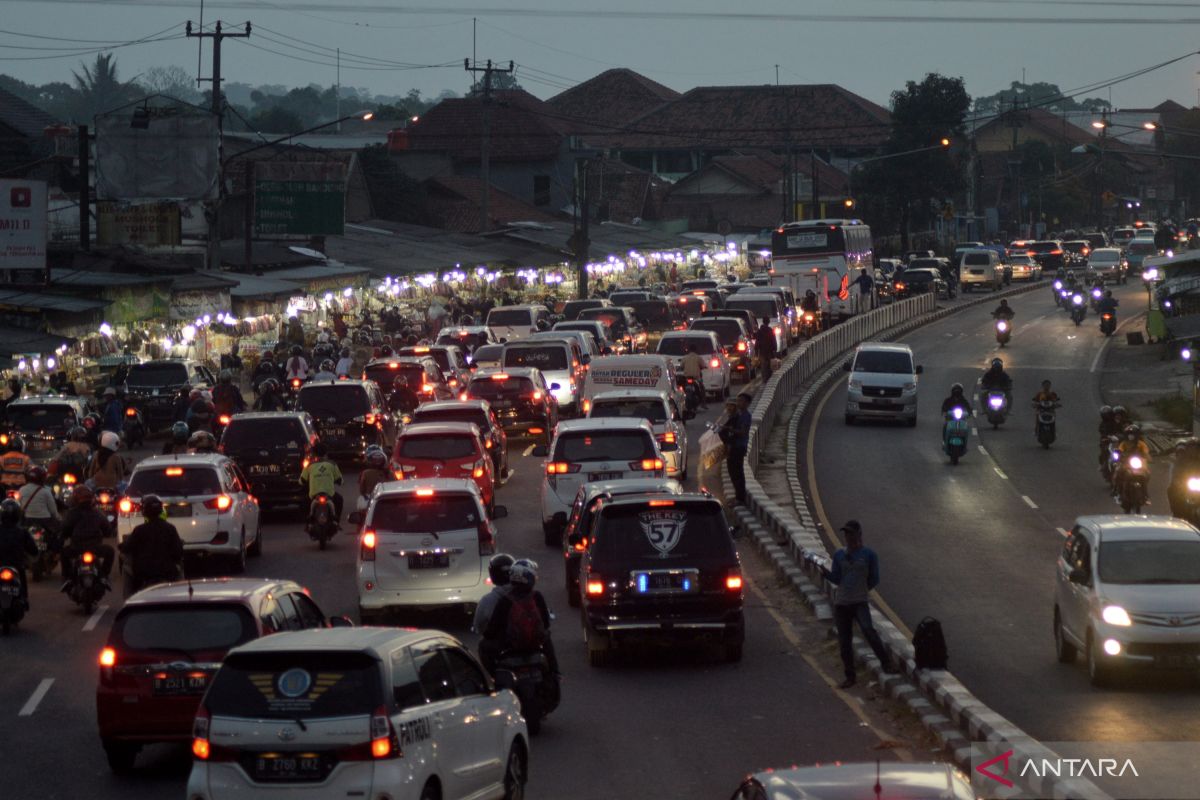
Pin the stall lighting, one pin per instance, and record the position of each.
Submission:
(188, 333)
(347, 292)
(51, 363)
(105, 329)
(21, 365)
(328, 297)
(207, 319)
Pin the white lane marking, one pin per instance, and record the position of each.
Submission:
(1000, 472)
(1108, 339)
(94, 619)
(32, 703)
(1063, 531)
(982, 449)
(1028, 502)
(528, 451)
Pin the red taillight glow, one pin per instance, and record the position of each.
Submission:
(88, 558)
(174, 472)
(369, 419)
(393, 365)
(68, 479)
(537, 395)
(200, 727)
(223, 419)
(7, 574)
(131, 412)
(715, 363)
(500, 376)
(667, 438)
(108, 657)
(367, 550)
(304, 464)
(383, 736)
(220, 503)
(662, 503)
(126, 506)
(741, 346)
(424, 492)
(561, 468)
(104, 498)
(594, 586)
(647, 464)
(733, 583)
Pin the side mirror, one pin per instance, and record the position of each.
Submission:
(499, 512)
(1080, 576)
(541, 451)
(920, 369)
(575, 539)
(733, 532)
(341, 621)
(554, 386)
(503, 339)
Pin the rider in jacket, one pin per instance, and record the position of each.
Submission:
(996, 379)
(957, 399)
(16, 543)
(522, 577)
(153, 549)
(177, 444)
(84, 528)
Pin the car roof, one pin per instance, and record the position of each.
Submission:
(388, 360)
(464, 329)
(370, 640)
(406, 487)
(1116, 250)
(682, 497)
(339, 382)
(1140, 527)
(183, 460)
(922, 270)
(441, 429)
(263, 416)
(697, 333)
(630, 394)
(48, 398)
(160, 361)
(841, 781)
(515, 372)
(453, 405)
(889, 347)
(605, 423)
(526, 307)
(631, 486)
(539, 342)
(208, 590)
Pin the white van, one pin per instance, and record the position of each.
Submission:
(980, 269)
(609, 373)
(883, 383)
(558, 359)
(516, 322)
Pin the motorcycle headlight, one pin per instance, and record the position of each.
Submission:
(1001, 326)
(1193, 484)
(996, 401)
(1077, 299)
(1115, 615)
(958, 413)
(1136, 463)
(1058, 284)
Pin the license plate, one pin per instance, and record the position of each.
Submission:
(37, 444)
(337, 433)
(11, 589)
(180, 684)
(666, 581)
(955, 441)
(264, 469)
(282, 767)
(429, 561)
(604, 476)
(502, 404)
(179, 509)
(1177, 661)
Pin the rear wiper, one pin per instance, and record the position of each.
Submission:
(300, 722)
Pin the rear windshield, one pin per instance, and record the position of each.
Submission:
(1075, 247)
(41, 417)
(610, 317)
(510, 316)
(652, 312)
(413, 514)
(296, 685)
(464, 414)
(1123, 233)
(184, 629)
(1044, 247)
(765, 307)
(488, 352)
(925, 263)
(728, 331)
(627, 298)
(678, 345)
(1097, 240)
(157, 375)
(440, 447)
(469, 341)
(1101, 255)
(604, 445)
(440, 357)
(884, 361)
(344, 401)
(547, 357)
(630, 408)
(662, 535)
(587, 326)
(704, 283)
(263, 434)
(1142, 247)
(919, 276)
(977, 259)
(571, 309)
(486, 388)
(175, 481)
(385, 374)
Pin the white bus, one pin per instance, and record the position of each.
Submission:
(824, 255)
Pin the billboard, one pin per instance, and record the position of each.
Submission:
(22, 224)
(147, 225)
(174, 157)
(299, 199)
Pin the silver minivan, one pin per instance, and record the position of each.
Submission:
(883, 383)
(980, 269)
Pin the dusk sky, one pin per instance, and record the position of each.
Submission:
(868, 46)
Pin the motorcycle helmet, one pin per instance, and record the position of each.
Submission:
(109, 392)
(376, 458)
(1133, 432)
(323, 337)
(997, 364)
(36, 474)
(110, 441)
(15, 442)
(345, 352)
(400, 381)
(10, 512)
(499, 567)
(1120, 411)
(523, 573)
(180, 433)
(77, 434)
(326, 366)
(202, 442)
(956, 389)
(194, 395)
(91, 421)
(152, 507)
(226, 376)
(1106, 412)
(269, 386)
(385, 351)
(82, 496)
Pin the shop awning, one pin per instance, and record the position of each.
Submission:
(321, 277)
(249, 287)
(51, 302)
(26, 341)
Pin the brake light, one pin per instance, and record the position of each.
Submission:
(587, 406)
(733, 582)
(561, 468)
(478, 471)
(715, 363)
(500, 376)
(462, 396)
(424, 492)
(7, 574)
(1056, 252)
(427, 388)
(581, 545)
(223, 419)
(399, 473)
(537, 395)
(536, 431)
(104, 498)
(488, 444)
(304, 464)
(366, 551)
(131, 412)
(220, 503)
(383, 736)
(108, 660)
(741, 346)
(68, 479)
(200, 727)
(667, 438)
(369, 419)
(174, 472)
(777, 330)
(594, 586)
(453, 382)
(296, 383)
(89, 557)
(393, 365)
(487, 538)
(420, 349)
(662, 503)
(647, 464)
(126, 506)
(322, 499)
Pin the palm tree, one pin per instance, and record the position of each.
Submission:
(100, 89)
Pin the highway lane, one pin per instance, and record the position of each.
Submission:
(668, 725)
(974, 545)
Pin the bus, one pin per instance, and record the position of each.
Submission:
(824, 255)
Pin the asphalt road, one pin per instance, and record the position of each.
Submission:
(975, 545)
(673, 725)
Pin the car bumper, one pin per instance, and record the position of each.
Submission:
(675, 460)
(898, 408)
(374, 779)
(382, 598)
(555, 510)
(122, 716)
(729, 626)
(1143, 646)
(518, 423)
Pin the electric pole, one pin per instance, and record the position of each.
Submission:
(213, 257)
(485, 169)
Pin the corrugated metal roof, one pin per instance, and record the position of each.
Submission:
(51, 302)
(23, 341)
(394, 248)
(260, 286)
(87, 277)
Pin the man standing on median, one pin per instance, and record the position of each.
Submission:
(855, 572)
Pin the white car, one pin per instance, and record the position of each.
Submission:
(716, 370)
(357, 712)
(509, 323)
(765, 306)
(1127, 593)
(1024, 268)
(207, 499)
(560, 362)
(590, 450)
(663, 414)
(425, 543)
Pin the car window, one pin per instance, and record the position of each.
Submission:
(662, 534)
(509, 316)
(604, 445)
(468, 678)
(344, 401)
(41, 417)
(291, 617)
(433, 673)
(264, 434)
(977, 259)
(439, 447)
(310, 615)
(492, 387)
(192, 630)
(889, 362)
(406, 686)
(271, 615)
(630, 408)
(416, 514)
(157, 375)
(172, 481)
(678, 345)
(462, 414)
(543, 357)
(320, 684)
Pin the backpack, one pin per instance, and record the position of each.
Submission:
(929, 645)
(526, 630)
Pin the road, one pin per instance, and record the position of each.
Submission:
(660, 726)
(975, 545)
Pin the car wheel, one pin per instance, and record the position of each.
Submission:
(431, 792)
(514, 773)
(121, 756)
(255, 549)
(239, 561)
(551, 535)
(1099, 673)
(1063, 650)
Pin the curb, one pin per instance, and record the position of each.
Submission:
(943, 705)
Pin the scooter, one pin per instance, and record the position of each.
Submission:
(528, 676)
(106, 504)
(1132, 477)
(1057, 291)
(692, 391)
(87, 588)
(322, 520)
(954, 435)
(62, 488)
(1078, 308)
(1110, 458)
(1046, 423)
(810, 324)
(133, 427)
(12, 607)
(1097, 296)
(1108, 323)
(47, 557)
(997, 408)
(1003, 331)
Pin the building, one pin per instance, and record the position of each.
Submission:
(609, 101)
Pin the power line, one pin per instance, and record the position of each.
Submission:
(334, 63)
(344, 52)
(150, 38)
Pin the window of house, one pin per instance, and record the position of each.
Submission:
(541, 190)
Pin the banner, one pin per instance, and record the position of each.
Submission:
(299, 199)
(22, 224)
(175, 157)
(147, 225)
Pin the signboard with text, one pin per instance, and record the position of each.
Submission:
(22, 224)
(149, 225)
(299, 199)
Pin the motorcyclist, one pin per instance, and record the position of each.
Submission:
(266, 370)
(227, 398)
(514, 625)
(345, 363)
(1004, 311)
(114, 411)
(75, 454)
(38, 505)
(17, 545)
(178, 443)
(1120, 419)
(809, 302)
(84, 528)
(14, 463)
(1045, 394)
(957, 399)
(325, 371)
(107, 469)
(402, 399)
(202, 442)
(996, 379)
(91, 424)
(297, 367)
(1108, 303)
(375, 472)
(201, 412)
(498, 569)
(322, 476)
(183, 402)
(1132, 444)
(270, 396)
(153, 549)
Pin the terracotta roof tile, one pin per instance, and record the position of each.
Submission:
(609, 101)
(24, 117)
(523, 128)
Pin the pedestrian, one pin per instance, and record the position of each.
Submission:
(766, 347)
(865, 284)
(855, 572)
(735, 433)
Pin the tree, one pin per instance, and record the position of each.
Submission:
(276, 120)
(1046, 95)
(100, 88)
(173, 81)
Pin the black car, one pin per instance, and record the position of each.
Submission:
(272, 449)
(573, 307)
(654, 315)
(520, 397)
(350, 415)
(625, 330)
(153, 386)
(451, 360)
(43, 423)
(425, 377)
(661, 570)
(1050, 254)
(913, 282)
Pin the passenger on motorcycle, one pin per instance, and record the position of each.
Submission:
(520, 622)
(1108, 424)
(85, 528)
(38, 505)
(1046, 394)
(345, 363)
(107, 470)
(178, 443)
(297, 367)
(325, 372)
(322, 476)
(17, 545)
(270, 397)
(153, 550)
(375, 472)
(996, 379)
(201, 412)
(202, 442)
(227, 398)
(14, 464)
(957, 399)
(402, 399)
(498, 569)
(266, 370)
(809, 302)
(75, 454)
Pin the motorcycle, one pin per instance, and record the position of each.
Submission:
(954, 435)
(528, 676)
(1057, 291)
(997, 408)
(322, 520)
(1108, 323)
(692, 391)
(1097, 296)
(1078, 308)
(810, 324)
(12, 607)
(220, 424)
(1003, 331)
(1132, 477)
(62, 488)
(47, 557)
(106, 504)
(292, 391)
(87, 588)
(1110, 458)
(133, 427)
(1046, 423)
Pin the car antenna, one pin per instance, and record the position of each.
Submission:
(878, 787)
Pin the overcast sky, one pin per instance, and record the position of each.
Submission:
(682, 43)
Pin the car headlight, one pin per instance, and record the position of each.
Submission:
(1115, 615)
(1193, 484)
(855, 384)
(910, 387)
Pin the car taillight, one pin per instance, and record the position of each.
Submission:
(667, 438)
(777, 330)
(741, 347)
(220, 503)
(131, 412)
(104, 498)
(489, 444)
(561, 468)
(369, 419)
(201, 749)
(536, 396)
(90, 557)
(581, 545)
(223, 419)
(304, 464)
(1056, 252)
(296, 383)
(733, 582)
(427, 388)
(477, 472)
(487, 538)
(715, 363)
(366, 551)
(594, 586)
(587, 406)
(7, 575)
(68, 479)
(647, 464)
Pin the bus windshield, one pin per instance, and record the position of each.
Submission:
(808, 240)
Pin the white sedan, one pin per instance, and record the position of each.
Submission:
(715, 370)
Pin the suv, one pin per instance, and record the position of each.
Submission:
(166, 643)
(1107, 263)
(661, 569)
(597, 328)
(980, 269)
(737, 342)
(424, 375)
(1049, 254)
(883, 383)
(623, 327)
(43, 423)
(559, 361)
(469, 337)
(1126, 593)
(515, 322)
(769, 307)
(154, 386)
(370, 712)
(350, 415)
(715, 371)
(573, 307)
(654, 314)
(479, 412)
(425, 544)
(272, 448)
(206, 495)
(520, 397)
(445, 450)
(451, 360)
(663, 414)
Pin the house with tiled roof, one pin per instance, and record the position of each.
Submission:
(26, 137)
(608, 101)
(453, 202)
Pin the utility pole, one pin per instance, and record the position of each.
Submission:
(485, 169)
(337, 91)
(815, 185)
(85, 193)
(213, 258)
(582, 243)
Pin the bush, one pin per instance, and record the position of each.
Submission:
(1175, 409)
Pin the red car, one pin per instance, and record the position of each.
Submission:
(168, 641)
(446, 450)
(495, 440)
